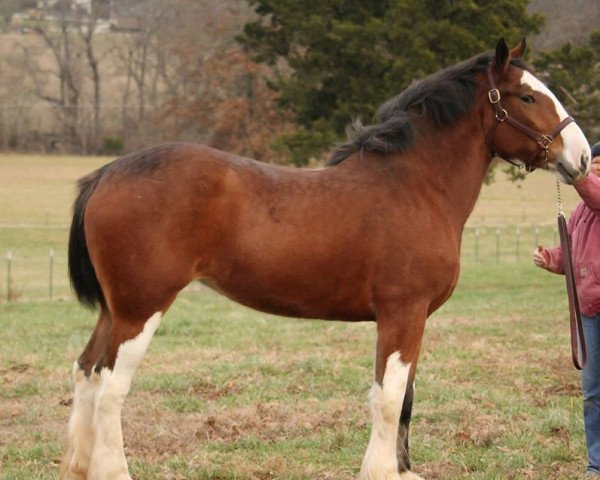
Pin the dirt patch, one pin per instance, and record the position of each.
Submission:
(150, 430)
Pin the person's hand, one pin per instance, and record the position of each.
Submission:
(538, 257)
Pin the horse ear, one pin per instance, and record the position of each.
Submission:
(519, 50)
(502, 56)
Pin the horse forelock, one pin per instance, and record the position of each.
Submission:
(439, 100)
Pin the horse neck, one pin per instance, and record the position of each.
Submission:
(457, 162)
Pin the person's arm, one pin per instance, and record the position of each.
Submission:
(589, 191)
(553, 260)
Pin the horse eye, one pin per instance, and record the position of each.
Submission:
(527, 98)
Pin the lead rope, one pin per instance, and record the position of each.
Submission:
(559, 199)
(578, 347)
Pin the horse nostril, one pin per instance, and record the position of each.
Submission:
(585, 163)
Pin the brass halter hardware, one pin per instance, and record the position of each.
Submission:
(543, 140)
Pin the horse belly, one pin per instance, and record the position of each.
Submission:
(296, 288)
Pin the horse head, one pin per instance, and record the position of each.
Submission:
(532, 129)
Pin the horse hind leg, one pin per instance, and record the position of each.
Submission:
(81, 436)
(103, 377)
(127, 347)
(80, 440)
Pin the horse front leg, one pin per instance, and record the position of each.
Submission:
(391, 396)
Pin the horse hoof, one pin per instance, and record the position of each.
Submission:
(391, 476)
(70, 470)
(410, 476)
(72, 475)
(123, 476)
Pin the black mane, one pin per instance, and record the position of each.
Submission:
(440, 98)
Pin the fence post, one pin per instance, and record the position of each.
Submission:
(497, 245)
(50, 272)
(8, 267)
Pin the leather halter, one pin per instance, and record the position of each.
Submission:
(543, 140)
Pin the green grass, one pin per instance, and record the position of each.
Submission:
(228, 393)
(35, 203)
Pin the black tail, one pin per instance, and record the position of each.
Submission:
(81, 271)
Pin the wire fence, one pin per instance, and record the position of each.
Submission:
(512, 244)
(41, 274)
(34, 277)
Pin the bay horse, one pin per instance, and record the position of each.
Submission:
(373, 236)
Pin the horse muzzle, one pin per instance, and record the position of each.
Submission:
(570, 172)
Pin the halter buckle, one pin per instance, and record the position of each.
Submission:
(494, 95)
(501, 115)
(545, 141)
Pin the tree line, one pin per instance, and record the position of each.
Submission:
(276, 80)
(169, 71)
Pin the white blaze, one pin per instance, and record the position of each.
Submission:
(575, 144)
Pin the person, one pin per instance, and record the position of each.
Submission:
(584, 231)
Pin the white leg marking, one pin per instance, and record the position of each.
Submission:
(108, 458)
(409, 476)
(80, 440)
(574, 141)
(381, 462)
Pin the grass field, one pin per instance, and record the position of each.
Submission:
(228, 393)
(36, 195)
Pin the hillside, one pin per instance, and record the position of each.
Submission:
(565, 21)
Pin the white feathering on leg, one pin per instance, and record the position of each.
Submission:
(80, 439)
(108, 459)
(380, 461)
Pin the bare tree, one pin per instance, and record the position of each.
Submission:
(66, 97)
(173, 72)
(15, 107)
(214, 92)
(86, 32)
(68, 39)
(137, 56)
